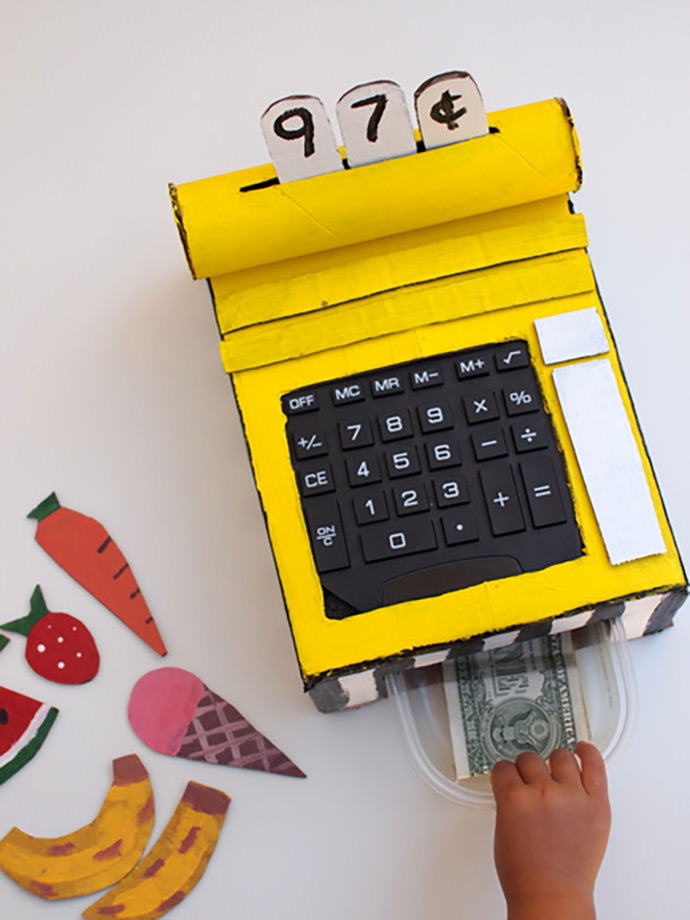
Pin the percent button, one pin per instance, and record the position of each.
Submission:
(520, 400)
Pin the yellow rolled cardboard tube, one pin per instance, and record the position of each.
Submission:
(227, 223)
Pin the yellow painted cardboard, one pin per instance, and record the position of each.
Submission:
(414, 257)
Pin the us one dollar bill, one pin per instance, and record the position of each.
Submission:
(524, 697)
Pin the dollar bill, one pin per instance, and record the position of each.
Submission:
(524, 697)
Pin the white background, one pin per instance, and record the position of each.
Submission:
(114, 396)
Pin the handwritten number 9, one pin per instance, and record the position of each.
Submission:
(379, 102)
(305, 129)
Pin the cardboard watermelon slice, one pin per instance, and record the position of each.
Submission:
(24, 725)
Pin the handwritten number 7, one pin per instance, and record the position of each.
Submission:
(379, 102)
(305, 130)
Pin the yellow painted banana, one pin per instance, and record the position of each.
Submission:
(174, 864)
(94, 856)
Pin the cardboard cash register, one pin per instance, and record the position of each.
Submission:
(440, 431)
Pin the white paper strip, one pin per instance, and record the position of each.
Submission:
(375, 123)
(609, 459)
(568, 336)
(638, 613)
(449, 109)
(300, 139)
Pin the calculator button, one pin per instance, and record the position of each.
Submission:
(531, 435)
(442, 454)
(316, 479)
(410, 499)
(402, 539)
(326, 535)
(436, 417)
(481, 407)
(309, 443)
(424, 377)
(370, 507)
(363, 469)
(510, 357)
(356, 433)
(489, 442)
(386, 386)
(402, 462)
(459, 527)
(302, 402)
(520, 399)
(500, 495)
(474, 366)
(347, 393)
(395, 426)
(451, 491)
(544, 501)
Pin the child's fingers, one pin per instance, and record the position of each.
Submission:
(593, 770)
(531, 767)
(503, 776)
(564, 767)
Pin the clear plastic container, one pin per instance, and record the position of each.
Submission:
(608, 687)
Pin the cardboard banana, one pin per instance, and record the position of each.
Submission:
(174, 864)
(94, 856)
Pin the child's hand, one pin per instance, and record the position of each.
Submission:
(552, 826)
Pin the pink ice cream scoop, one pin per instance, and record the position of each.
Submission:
(175, 713)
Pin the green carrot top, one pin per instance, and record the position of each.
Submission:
(44, 508)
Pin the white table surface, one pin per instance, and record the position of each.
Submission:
(114, 396)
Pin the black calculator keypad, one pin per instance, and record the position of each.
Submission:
(429, 476)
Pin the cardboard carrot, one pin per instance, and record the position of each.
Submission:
(84, 549)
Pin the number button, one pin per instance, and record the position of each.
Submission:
(356, 433)
(435, 418)
(370, 508)
(363, 469)
(442, 454)
(410, 500)
(480, 407)
(386, 542)
(402, 462)
(451, 491)
(395, 426)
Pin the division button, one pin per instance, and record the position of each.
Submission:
(459, 527)
(386, 385)
(480, 407)
(315, 479)
(500, 496)
(326, 535)
(489, 442)
(543, 497)
(300, 402)
(476, 366)
(426, 377)
(363, 469)
(309, 442)
(370, 507)
(511, 356)
(402, 539)
(343, 393)
(531, 435)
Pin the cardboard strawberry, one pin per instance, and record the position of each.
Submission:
(58, 646)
